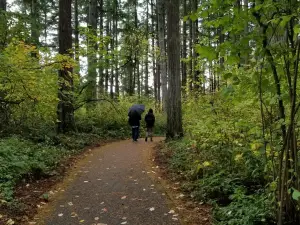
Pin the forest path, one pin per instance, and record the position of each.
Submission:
(113, 184)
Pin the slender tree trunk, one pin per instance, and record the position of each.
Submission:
(65, 110)
(174, 112)
(35, 34)
(76, 31)
(101, 56)
(191, 72)
(117, 85)
(147, 51)
(3, 24)
(162, 47)
(158, 71)
(107, 33)
(196, 75)
(184, 47)
(154, 67)
(92, 50)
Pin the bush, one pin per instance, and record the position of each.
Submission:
(223, 160)
(19, 158)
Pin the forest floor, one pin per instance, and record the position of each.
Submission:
(120, 183)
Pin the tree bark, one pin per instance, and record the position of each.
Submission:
(174, 111)
(92, 49)
(65, 109)
(100, 68)
(76, 31)
(184, 47)
(162, 48)
(147, 51)
(3, 24)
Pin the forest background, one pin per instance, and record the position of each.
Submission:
(221, 73)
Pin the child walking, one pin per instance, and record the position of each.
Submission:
(150, 120)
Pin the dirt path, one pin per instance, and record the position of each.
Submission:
(112, 185)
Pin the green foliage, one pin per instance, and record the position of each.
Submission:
(224, 159)
(24, 159)
(246, 210)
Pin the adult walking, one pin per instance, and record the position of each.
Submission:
(150, 120)
(134, 115)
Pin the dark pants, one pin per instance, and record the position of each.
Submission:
(135, 133)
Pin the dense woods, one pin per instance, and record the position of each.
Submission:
(222, 77)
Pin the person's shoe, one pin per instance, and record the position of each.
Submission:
(146, 139)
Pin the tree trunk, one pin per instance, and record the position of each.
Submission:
(117, 85)
(196, 73)
(162, 47)
(3, 24)
(100, 68)
(174, 112)
(147, 51)
(184, 47)
(107, 33)
(158, 70)
(65, 110)
(92, 49)
(76, 31)
(35, 34)
(191, 72)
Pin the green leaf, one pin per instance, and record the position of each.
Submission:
(206, 52)
(296, 194)
(193, 16)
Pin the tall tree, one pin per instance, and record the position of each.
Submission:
(162, 49)
(116, 33)
(147, 51)
(65, 109)
(76, 30)
(3, 23)
(174, 112)
(101, 57)
(184, 46)
(92, 50)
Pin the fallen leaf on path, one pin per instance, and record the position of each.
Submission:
(96, 218)
(73, 214)
(124, 197)
(101, 203)
(171, 211)
(85, 181)
(81, 221)
(32, 223)
(125, 222)
(124, 218)
(60, 215)
(104, 210)
(70, 204)
(144, 189)
(152, 209)
(10, 222)
(174, 218)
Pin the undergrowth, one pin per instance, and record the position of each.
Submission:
(223, 162)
